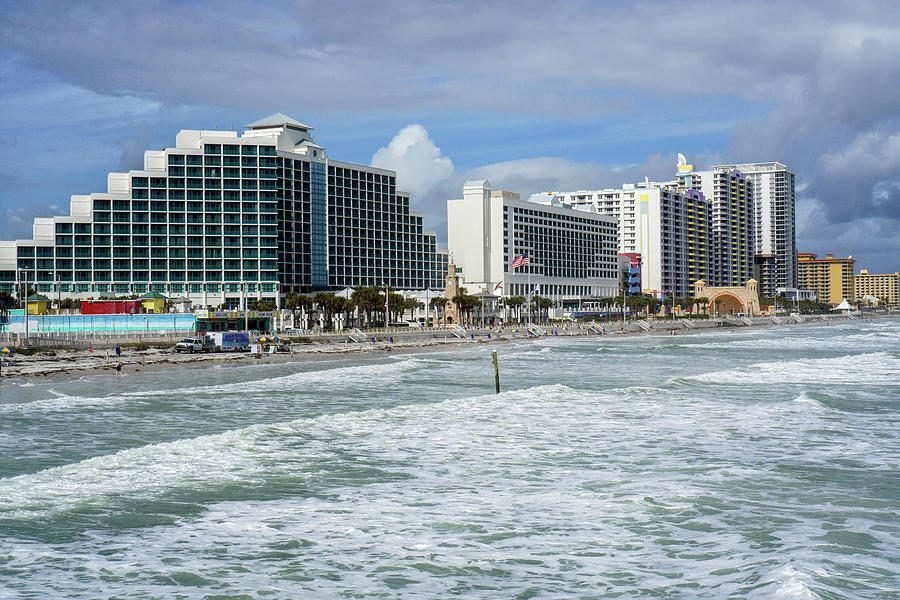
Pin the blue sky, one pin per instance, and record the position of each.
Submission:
(530, 95)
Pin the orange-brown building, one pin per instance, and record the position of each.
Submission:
(830, 278)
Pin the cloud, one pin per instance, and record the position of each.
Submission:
(813, 85)
(415, 158)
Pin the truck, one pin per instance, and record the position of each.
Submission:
(200, 343)
(229, 341)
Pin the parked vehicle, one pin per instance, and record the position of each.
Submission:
(229, 341)
(197, 344)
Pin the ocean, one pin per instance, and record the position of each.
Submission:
(754, 463)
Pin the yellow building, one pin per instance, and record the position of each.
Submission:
(153, 302)
(37, 304)
(830, 278)
(885, 287)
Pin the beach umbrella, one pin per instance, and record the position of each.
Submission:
(263, 338)
(275, 338)
(6, 350)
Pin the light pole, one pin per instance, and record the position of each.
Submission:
(386, 309)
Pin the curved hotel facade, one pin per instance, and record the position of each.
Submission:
(222, 216)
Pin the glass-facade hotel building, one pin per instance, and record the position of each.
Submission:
(221, 216)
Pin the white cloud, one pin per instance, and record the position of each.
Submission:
(415, 158)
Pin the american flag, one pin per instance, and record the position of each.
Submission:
(520, 261)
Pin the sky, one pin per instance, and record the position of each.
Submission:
(532, 96)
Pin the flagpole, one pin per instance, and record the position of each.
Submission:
(528, 308)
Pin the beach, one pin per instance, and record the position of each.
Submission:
(60, 364)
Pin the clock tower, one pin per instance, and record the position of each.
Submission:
(451, 291)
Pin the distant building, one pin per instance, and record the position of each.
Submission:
(830, 278)
(885, 287)
(571, 254)
(221, 218)
(774, 239)
(730, 194)
(666, 225)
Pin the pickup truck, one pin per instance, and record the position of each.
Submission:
(192, 345)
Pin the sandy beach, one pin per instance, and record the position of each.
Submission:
(66, 364)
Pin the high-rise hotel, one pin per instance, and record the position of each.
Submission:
(775, 245)
(222, 215)
(666, 225)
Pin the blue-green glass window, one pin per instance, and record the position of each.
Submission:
(267, 162)
(176, 159)
(121, 217)
(139, 217)
(140, 240)
(195, 195)
(212, 161)
(230, 149)
(139, 205)
(102, 263)
(140, 263)
(121, 275)
(213, 194)
(176, 275)
(212, 149)
(121, 240)
(194, 159)
(139, 182)
(83, 252)
(102, 276)
(157, 182)
(248, 150)
(140, 194)
(231, 161)
(176, 240)
(63, 228)
(101, 204)
(176, 183)
(82, 240)
(176, 194)
(64, 240)
(176, 171)
(159, 194)
(194, 184)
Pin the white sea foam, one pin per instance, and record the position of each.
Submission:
(872, 368)
(234, 457)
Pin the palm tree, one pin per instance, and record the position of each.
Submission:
(544, 305)
(439, 303)
(465, 303)
(515, 303)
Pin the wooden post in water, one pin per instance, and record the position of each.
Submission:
(496, 373)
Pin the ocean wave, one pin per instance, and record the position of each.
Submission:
(873, 368)
(307, 451)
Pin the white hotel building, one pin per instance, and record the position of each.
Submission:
(664, 223)
(775, 245)
(572, 254)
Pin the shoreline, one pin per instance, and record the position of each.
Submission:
(72, 364)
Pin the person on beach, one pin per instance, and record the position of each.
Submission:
(118, 369)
